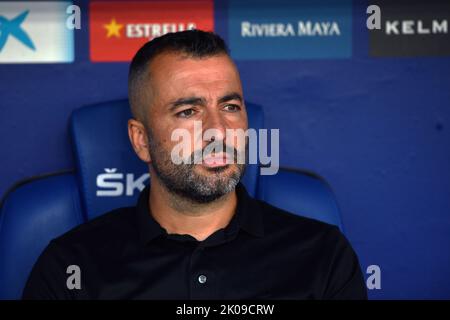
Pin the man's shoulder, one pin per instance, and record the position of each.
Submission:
(323, 246)
(298, 227)
(103, 228)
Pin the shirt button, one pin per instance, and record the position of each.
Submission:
(202, 278)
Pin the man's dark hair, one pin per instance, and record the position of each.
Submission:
(191, 43)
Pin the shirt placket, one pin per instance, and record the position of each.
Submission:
(203, 280)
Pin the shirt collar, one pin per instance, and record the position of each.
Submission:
(247, 217)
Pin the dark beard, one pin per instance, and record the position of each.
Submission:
(182, 180)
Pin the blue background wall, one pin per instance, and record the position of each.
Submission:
(377, 129)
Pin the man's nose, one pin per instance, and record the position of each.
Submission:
(214, 125)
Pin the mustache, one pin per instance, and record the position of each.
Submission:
(197, 156)
(214, 147)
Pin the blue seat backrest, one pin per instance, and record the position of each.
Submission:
(301, 192)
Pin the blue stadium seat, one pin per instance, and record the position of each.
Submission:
(109, 175)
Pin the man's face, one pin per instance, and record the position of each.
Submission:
(184, 91)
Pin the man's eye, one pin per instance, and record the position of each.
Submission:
(232, 108)
(185, 113)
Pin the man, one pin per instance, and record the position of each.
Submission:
(195, 233)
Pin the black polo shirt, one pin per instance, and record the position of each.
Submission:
(263, 253)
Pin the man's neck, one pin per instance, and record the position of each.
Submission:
(181, 216)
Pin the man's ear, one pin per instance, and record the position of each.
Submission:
(139, 139)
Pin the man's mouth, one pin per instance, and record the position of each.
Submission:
(216, 160)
